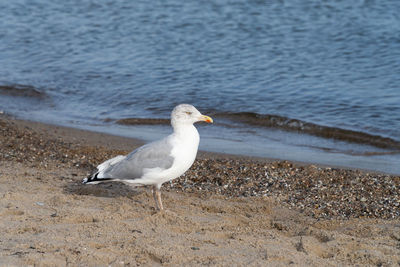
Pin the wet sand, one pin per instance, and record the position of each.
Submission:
(225, 211)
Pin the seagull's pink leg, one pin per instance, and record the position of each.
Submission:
(157, 197)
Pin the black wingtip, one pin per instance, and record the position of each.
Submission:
(90, 178)
(93, 178)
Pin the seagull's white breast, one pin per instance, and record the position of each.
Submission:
(185, 144)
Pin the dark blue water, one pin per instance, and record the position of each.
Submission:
(334, 65)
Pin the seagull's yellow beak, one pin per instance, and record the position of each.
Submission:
(206, 119)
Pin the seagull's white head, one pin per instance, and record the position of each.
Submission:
(187, 114)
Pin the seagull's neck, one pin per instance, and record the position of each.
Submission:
(185, 131)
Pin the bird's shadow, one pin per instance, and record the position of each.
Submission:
(109, 189)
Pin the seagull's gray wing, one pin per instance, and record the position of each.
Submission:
(152, 155)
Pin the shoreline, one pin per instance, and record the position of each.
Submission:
(119, 142)
(259, 142)
(276, 212)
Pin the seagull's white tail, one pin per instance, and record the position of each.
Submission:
(97, 177)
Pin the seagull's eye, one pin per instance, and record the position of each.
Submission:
(188, 112)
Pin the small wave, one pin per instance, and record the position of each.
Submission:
(279, 122)
(142, 121)
(22, 91)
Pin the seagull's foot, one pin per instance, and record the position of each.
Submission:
(156, 210)
(165, 213)
(169, 212)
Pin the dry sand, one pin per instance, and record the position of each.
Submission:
(49, 219)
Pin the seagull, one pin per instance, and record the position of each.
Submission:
(160, 161)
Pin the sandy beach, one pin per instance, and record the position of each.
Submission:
(225, 211)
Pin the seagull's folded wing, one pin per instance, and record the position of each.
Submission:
(152, 155)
